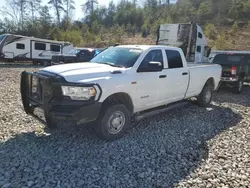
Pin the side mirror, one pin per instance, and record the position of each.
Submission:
(153, 66)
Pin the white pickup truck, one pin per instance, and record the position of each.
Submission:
(120, 84)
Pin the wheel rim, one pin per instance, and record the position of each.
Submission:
(240, 85)
(208, 96)
(116, 122)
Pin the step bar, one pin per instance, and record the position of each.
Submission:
(143, 115)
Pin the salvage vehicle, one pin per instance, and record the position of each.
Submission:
(187, 36)
(123, 83)
(235, 68)
(75, 55)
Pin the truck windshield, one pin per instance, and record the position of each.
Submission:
(2, 37)
(230, 58)
(73, 51)
(118, 56)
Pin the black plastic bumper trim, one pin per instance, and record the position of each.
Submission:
(54, 106)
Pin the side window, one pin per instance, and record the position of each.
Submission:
(198, 49)
(20, 46)
(220, 58)
(153, 55)
(55, 48)
(174, 59)
(84, 53)
(199, 35)
(40, 46)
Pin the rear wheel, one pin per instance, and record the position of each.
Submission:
(112, 122)
(206, 96)
(50, 121)
(239, 87)
(46, 63)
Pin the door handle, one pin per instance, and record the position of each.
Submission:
(184, 73)
(162, 76)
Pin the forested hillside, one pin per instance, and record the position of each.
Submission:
(225, 21)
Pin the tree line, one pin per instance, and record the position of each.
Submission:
(108, 24)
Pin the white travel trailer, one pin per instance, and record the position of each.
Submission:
(23, 48)
(187, 36)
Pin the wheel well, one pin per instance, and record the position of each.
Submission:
(120, 98)
(210, 82)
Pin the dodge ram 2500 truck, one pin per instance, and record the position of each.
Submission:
(119, 84)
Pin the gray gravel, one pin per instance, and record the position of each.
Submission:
(191, 147)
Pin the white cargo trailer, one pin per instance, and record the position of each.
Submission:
(187, 36)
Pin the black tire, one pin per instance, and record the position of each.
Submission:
(104, 128)
(46, 63)
(206, 96)
(35, 63)
(50, 122)
(239, 87)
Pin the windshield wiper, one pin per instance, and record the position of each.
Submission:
(110, 64)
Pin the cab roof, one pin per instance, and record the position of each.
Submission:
(146, 47)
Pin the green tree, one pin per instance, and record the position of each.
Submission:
(235, 27)
(58, 7)
(45, 21)
(210, 31)
(220, 42)
(69, 8)
(34, 6)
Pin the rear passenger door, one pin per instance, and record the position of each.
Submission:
(177, 80)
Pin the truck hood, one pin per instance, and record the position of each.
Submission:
(84, 72)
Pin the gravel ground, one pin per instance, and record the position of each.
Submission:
(190, 147)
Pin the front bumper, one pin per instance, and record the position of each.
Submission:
(49, 98)
(57, 63)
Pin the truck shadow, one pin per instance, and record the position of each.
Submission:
(225, 95)
(157, 152)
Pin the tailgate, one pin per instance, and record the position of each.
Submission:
(226, 70)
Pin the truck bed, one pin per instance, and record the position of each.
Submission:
(199, 74)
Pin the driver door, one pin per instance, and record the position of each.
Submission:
(148, 80)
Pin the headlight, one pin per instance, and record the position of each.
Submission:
(79, 93)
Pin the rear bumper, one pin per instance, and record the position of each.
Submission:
(52, 103)
(229, 79)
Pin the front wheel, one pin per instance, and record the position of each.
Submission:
(206, 96)
(112, 122)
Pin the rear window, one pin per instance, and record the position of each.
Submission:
(231, 59)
